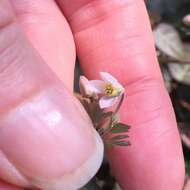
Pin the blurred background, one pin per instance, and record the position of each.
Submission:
(170, 20)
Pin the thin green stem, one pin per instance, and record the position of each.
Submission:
(113, 114)
(119, 104)
(116, 110)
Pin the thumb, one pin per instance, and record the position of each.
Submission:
(46, 138)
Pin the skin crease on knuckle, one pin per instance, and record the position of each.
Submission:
(13, 52)
(46, 28)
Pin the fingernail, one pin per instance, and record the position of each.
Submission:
(79, 177)
(51, 141)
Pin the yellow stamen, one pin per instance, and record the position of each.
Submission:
(110, 90)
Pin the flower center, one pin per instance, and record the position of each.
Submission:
(110, 90)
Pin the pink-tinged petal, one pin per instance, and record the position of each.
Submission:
(108, 77)
(119, 86)
(106, 102)
(83, 81)
(95, 86)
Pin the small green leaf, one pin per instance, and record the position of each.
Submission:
(119, 137)
(123, 125)
(120, 128)
(121, 143)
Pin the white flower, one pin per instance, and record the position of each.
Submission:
(108, 87)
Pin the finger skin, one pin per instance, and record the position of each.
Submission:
(5, 186)
(115, 36)
(42, 125)
(50, 34)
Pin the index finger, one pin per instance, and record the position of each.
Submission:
(116, 37)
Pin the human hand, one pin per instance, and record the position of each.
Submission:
(111, 36)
